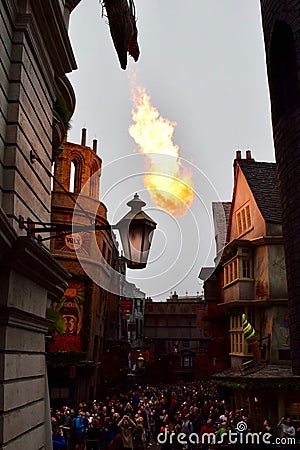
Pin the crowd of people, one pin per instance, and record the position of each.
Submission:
(183, 416)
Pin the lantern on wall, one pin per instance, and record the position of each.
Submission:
(136, 230)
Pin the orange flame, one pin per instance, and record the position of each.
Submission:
(168, 182)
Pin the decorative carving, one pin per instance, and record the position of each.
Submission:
(79, 242)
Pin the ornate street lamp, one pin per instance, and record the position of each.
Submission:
(136, 231)
(136, 228)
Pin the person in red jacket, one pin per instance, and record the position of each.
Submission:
(207, 434)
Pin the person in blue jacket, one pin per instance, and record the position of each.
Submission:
(58, 440)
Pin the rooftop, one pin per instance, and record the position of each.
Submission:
(262, 180)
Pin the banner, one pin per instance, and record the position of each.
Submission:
(68, 316)
(126, 306)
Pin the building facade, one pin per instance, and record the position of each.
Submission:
(212, 318)
(74, 350)
(281, 26)
(251, 273)
(253, 262)
(88, 351)
(171, 329)
(35, 56)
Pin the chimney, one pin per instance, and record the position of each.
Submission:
(238, 154)
(95, 145)
(248, 154)
(83, 137)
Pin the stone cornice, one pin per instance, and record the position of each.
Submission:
(21, 319)
(50, 20)
(36, 263)
(27, 257)
(26, 28)
(11, 9)
(66, 90)
(47, 36)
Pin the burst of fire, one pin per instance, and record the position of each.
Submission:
(169, 183)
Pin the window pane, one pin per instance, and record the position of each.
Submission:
(244, 219)
(240, 343)
(248, 217)
(73, 176)
(239, 221)
(235, 270)
(246, 268)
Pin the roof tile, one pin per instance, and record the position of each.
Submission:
(262, 180)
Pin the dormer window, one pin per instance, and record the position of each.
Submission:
(243, 219)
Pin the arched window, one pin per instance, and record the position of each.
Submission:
(74, 176)
(284, 84)
(53, 173)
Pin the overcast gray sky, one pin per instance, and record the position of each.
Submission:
(202, 62)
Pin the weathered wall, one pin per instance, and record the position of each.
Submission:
(35, 54)
(277, 272)
(281, 26)
(28, 80)
(261, 273)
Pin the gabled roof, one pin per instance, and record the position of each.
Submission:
(206, 272)
(221, 215)
(262, 180)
